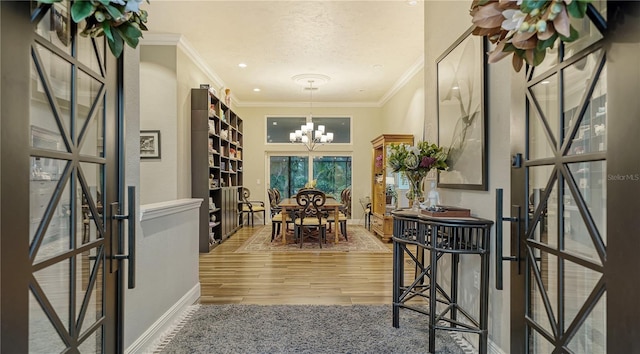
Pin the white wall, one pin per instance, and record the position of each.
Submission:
(481, 203)
(167, 278)
(404, 112)
(158, 87)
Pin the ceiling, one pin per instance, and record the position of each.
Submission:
(366, 48)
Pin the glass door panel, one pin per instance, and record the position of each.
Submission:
(332, 173)
(565, 183)
(288, 173)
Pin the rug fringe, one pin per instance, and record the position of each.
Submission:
(170, 333)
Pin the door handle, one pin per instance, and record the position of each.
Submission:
(131, 228)
(499, 220)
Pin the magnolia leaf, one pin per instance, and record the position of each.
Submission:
(562, 23)
(574, 35)
(498, 53)
(104, 2)
(577, 8)
(516, 62)
(547, 43)
(80, 10)
(524, 40)
(528, 56)
(484, 2)
(114, 12)
(130, 34)
(106, 28)
(488, 16)
(538, 56)
(509, 47)
(548, 33)
(117, 44)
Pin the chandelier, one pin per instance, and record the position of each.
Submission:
(308, 136)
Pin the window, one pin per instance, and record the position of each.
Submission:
(290, 173)
(278, 128)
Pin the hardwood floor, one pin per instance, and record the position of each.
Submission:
(293, 278)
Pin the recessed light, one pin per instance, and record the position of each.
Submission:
(256, 90)
(455, 88)
(242, 65)
(412, 2)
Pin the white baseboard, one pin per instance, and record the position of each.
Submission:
(149, 339)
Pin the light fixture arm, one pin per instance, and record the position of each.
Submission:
(308, 136)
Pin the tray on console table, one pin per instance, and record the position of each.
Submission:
(447, 211)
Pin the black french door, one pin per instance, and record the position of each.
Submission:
(572, 290)
(60, 185)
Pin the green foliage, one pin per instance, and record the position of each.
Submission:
(120, 21)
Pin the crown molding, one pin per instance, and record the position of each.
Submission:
(181, 42)
(403, 80)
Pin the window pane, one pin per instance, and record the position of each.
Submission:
(288, 173)
(278, 128)
(340, 127)
(332, 173)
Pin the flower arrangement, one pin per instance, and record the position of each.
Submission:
(416, 162)
(121, 21)
(525, 28)
(421, 158)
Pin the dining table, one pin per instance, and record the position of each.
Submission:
(290, 204)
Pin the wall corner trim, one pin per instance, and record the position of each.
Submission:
(156, 210)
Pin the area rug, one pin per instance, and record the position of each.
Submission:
(305, 329)
(360, 240)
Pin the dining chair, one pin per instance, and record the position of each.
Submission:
(250, 207)
(276, 213)
(310, 215)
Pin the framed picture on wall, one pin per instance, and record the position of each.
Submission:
(149, 144)
(462, 129)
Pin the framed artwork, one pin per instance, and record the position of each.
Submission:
(462, 128)
(149, 144)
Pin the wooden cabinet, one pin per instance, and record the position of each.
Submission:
(216, 166)
(381, 219)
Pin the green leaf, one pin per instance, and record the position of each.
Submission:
(81, 10)
(106, 28)
(129, 33)
(548, 43)
(538, 56)
(572, 37)
(483, 2)
(113, 11)
(509, 47)
(116, 45)
(577, 9)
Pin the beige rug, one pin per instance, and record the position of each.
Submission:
(360, 240)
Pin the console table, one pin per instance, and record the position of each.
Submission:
(417, 236)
